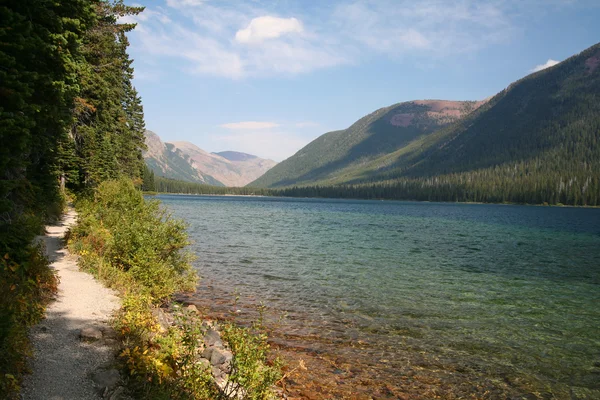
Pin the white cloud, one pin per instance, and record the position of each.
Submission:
(207, 42)
(241, 39)
(267, 27)
(548, 64)
(250, 125)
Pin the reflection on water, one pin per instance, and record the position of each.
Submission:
(465, 300)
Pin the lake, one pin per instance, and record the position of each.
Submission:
(390, 299)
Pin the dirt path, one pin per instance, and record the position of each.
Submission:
(73, 346)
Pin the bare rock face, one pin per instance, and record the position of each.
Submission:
(186, 161)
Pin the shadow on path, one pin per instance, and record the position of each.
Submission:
(64, 366)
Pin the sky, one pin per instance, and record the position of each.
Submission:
(268, 77)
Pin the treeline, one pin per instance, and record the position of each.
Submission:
(167, 185)
(70, 118)
(518, 183)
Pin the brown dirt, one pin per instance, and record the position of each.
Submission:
(438, 109)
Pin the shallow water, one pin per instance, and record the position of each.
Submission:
(495, 299)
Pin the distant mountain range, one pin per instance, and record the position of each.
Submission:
(185, 161)
(540, 138)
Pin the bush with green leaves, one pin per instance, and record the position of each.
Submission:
(135, 246)
(133, 239)
(25, 288)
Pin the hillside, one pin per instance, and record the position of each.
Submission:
(537, 140)
(185, 161)
(384, 131)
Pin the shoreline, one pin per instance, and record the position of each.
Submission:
(383, 199)
(323, 368)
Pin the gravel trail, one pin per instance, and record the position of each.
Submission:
(66, 366)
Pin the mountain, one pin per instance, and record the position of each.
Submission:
(330, 157)
(537, 140)
(185, 161)
(236, 156)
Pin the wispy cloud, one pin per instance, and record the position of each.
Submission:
(232, 42)
(241, 39)
(548, 64)
(250, 125)
(436, 28)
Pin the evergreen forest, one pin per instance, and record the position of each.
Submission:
(70, 119)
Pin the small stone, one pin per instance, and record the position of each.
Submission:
(192, 308)
(220, 356)
(225, 367)
(109, 333)
(207, 353)
(111, 342)
(106, 378)
(203, 363)
(164, 320)
(212, 338)
(216, 372)
(90, 333)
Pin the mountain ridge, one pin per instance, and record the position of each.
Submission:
(186, 161)
(536, 141)
(378, 133)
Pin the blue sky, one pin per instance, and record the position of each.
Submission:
(267, 77)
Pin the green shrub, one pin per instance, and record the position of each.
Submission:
(135, 246)
(251, 375)
(25, 288)
(132, 239)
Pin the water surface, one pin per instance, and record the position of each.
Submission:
(458, 299)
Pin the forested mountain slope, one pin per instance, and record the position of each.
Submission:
(536, 141)
(328, 157)
(186, 161)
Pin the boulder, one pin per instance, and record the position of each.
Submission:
(207, 353)
(212, 338)
(220, 356)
